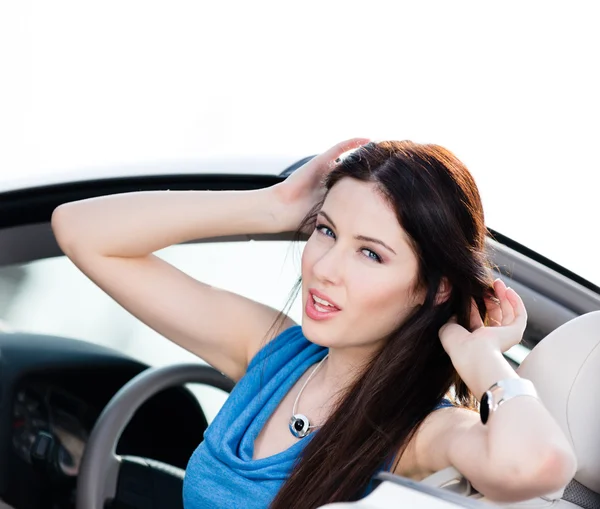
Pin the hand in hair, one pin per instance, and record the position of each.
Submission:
(522, 453)
(507, 317)
(477, 354)
(303, 189)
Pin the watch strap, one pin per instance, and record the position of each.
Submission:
(502, 391)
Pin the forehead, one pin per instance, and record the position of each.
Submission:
(361, 207)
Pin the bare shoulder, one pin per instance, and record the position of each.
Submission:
(427, 451)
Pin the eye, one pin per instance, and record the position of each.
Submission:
(325, 230)
(372, 255)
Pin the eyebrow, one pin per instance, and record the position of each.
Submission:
(359, 237)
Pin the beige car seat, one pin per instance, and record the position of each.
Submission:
(565, 368)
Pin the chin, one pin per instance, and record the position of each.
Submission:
(320, 333)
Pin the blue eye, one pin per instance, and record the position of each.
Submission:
(324, 230)
(328, 232)
(371, 255)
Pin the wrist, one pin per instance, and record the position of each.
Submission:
(482, 367)
(287, 207)
(271, 217)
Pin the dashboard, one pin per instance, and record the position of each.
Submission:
(44, 412)
(52, 391)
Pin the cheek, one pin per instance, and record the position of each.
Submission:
(383, 296)
(380, 293)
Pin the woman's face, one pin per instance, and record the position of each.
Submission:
(359, 260)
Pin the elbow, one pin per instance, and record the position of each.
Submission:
(556, 469)
(63, 228)
(544, 473)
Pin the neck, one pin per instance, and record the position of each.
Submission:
(343, 366)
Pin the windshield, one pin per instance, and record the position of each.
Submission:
(52, 296)
(513, 92)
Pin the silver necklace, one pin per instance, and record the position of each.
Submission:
(299, 424)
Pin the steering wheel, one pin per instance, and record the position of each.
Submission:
(136, 482)
(130, 480)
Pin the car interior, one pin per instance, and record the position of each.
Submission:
(563, 367)
(81, 423)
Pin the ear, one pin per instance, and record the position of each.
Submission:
(444, 291)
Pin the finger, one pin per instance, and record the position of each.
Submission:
(337, 150)
(475, 321)
(494, 311)
(450, 330)
(520, 313)
(451, 321)
(508, 315)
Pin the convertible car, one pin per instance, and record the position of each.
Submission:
(98, 411)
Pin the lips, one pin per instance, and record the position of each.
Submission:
(322, 296)
(319, 306)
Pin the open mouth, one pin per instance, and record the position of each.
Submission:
(318, 308)
(322, 305)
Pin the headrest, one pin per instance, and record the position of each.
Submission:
(565, 369)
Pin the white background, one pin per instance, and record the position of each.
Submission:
(511, 87)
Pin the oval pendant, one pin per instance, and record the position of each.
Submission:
(299, 425)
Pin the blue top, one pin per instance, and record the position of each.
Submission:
(221, 473)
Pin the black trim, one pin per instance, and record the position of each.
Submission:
(533, 255)
(292, 168)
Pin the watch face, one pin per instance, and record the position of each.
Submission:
(484, 407)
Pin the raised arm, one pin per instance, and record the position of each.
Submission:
(521, 453)
(112, 240)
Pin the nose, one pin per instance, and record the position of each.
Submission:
(328, 268)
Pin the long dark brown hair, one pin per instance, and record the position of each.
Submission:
(438, 205)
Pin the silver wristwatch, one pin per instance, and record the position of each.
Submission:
(503, 391)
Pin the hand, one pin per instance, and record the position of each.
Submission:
(507, 317)
(304, 188)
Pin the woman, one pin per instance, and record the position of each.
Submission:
(396, 291)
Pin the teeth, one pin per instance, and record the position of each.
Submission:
(322, 305)
(321, 301)
(323, 309)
